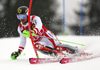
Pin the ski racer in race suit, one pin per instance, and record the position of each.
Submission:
(45, 45)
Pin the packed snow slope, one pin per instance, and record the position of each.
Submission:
(9, 45)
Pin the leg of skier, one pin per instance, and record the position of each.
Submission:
(61, 47)
(50, 46)
(67, 48)
(47, 50)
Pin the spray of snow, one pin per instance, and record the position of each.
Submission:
(9, 45)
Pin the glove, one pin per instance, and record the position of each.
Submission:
(15, 54)
(27, 33)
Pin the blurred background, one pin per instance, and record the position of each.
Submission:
(85, 13)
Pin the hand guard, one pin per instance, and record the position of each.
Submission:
(15, 54)
(27, 33)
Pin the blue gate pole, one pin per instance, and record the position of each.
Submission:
(81, 17)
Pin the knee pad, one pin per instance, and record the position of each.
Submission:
(60, 48)
(41, 47)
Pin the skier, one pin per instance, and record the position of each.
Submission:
(45, 45)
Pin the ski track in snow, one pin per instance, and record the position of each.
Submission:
(8, 45)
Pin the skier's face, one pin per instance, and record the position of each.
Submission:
(24, 20)
(22, 17)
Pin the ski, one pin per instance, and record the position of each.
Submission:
(66, 59)
(43, 60)
(46, 60)
(77, 59)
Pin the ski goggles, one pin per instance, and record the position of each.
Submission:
(21, 16)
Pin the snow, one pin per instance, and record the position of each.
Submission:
(9, 45)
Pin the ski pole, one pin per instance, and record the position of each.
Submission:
(30, 29)
(60, 40)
